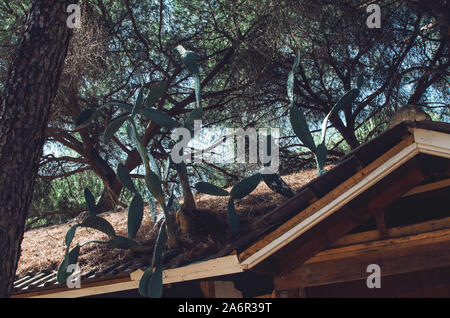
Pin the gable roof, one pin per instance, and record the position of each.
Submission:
(360, 170)
(324, 203)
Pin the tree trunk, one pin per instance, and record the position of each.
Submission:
(111, 184)
(29, 92)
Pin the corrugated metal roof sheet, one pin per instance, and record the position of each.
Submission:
(47, 280)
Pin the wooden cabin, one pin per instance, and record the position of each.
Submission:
(384, 209)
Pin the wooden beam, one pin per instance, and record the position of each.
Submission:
(330, 203)
(381, 224)
(207, 288)
(394, 256)
(428, 187)
(399, 231)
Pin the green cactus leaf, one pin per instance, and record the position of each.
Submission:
(135, 214)
(321, 156)
(113, 127)
(166, 169)
(300, 127)
(125, 178)
(70, 235)
(144, 281)
(159, 117)
(152, 208)
(90, 201)
(154, 166)
(155, 286)
(70, 258)
(291, 78)
(133, 135)
(276, 183)
(139, 102)
(155, 94)
(232, 217)
(100, 224)
(62, 274)
(123, 243)
(85, 118)
(154, 186)
(190, 60)
(245, 186)
(344, 101)
(195, 114)
(159, 246)
(208, 188)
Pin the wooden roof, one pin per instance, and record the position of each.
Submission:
(367, 180)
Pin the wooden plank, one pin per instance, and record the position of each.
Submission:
(399, 231)
(428, 187)
(394, 256)
(432, 142)
(333, 200)
(211, 268)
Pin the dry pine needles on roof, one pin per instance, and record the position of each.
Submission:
(43, 248)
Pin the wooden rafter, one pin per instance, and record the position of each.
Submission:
(394, 232)
(428, 187)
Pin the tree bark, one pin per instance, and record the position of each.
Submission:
(29, 92)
